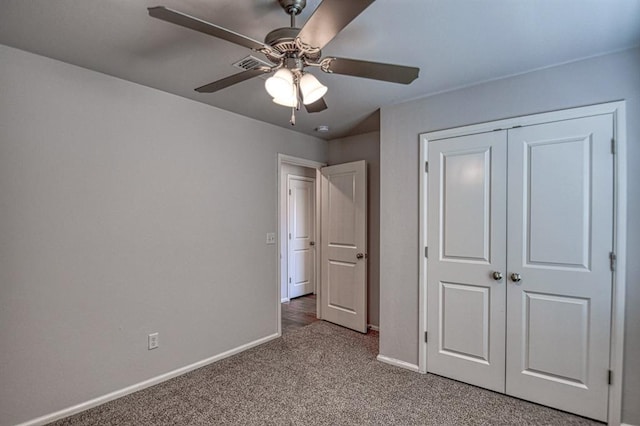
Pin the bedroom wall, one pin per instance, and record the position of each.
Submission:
(124, 211)
(366, 147)
(602, 79)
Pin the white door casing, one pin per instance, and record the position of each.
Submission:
(344, 244)
(559, 236)
(466, 315)
(560, 224)
(301, 236)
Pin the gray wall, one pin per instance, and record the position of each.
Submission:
(366, 147)
(124, 211)
(596, 80)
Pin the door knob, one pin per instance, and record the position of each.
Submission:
(359, 256)
(312, 243)
(497, 275)
(515, 277)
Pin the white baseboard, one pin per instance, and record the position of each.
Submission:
(398, 363)
(142, 385)
(284, 300)
(373, 327)
(626, 424)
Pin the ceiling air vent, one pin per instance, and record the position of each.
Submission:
(251, 62)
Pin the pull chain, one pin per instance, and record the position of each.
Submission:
(292, 121)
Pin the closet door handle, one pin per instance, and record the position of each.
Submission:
(497, 275)
(515, 277)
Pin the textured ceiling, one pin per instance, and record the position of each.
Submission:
(455, 43)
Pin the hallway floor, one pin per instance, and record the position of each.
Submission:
(298, 312)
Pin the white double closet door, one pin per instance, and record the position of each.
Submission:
(520, 229)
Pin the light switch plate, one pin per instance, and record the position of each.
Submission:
(271, 237)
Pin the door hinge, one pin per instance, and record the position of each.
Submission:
(426, 167)
(289, 235)
(289, 280)
(289, 192)
(426, 336)
(612, 261)
(613, 146)
(610, 377)
(426, 252)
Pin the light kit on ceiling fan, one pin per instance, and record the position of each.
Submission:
(291, 49)
(287, 87)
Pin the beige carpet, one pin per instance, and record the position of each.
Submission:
(321, 374)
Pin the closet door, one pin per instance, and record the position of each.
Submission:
(466, 243)
(560, 206)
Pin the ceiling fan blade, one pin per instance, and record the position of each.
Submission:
(329, 18)
(231, 80)
(374, 70)
(317, 106)
(187, 21)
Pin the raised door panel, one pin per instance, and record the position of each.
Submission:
(339, 293)
(342, 210)
(466, 205)
(560, 234)
(302, 215)
(558, 198)
(542, 314)
(302, 274)
(466, 214)
(464, 323)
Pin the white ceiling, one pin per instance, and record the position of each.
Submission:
(454, 42)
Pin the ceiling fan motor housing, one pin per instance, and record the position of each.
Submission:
(283, 41)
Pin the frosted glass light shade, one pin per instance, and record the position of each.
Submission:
(311, 89)
(288, 101)
(280, 84)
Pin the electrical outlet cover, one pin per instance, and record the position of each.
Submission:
(153, 341)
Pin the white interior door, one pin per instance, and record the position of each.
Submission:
(344, 243)
(560, 233)
(466, 243)
(301, 234)
(546, 193)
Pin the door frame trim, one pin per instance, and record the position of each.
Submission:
(294, 161)
(617, 110)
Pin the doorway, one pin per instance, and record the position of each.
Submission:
(340, 193)
(303, 174)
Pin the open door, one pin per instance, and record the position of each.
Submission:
(344, 244)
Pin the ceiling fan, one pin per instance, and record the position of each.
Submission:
(292, 49)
